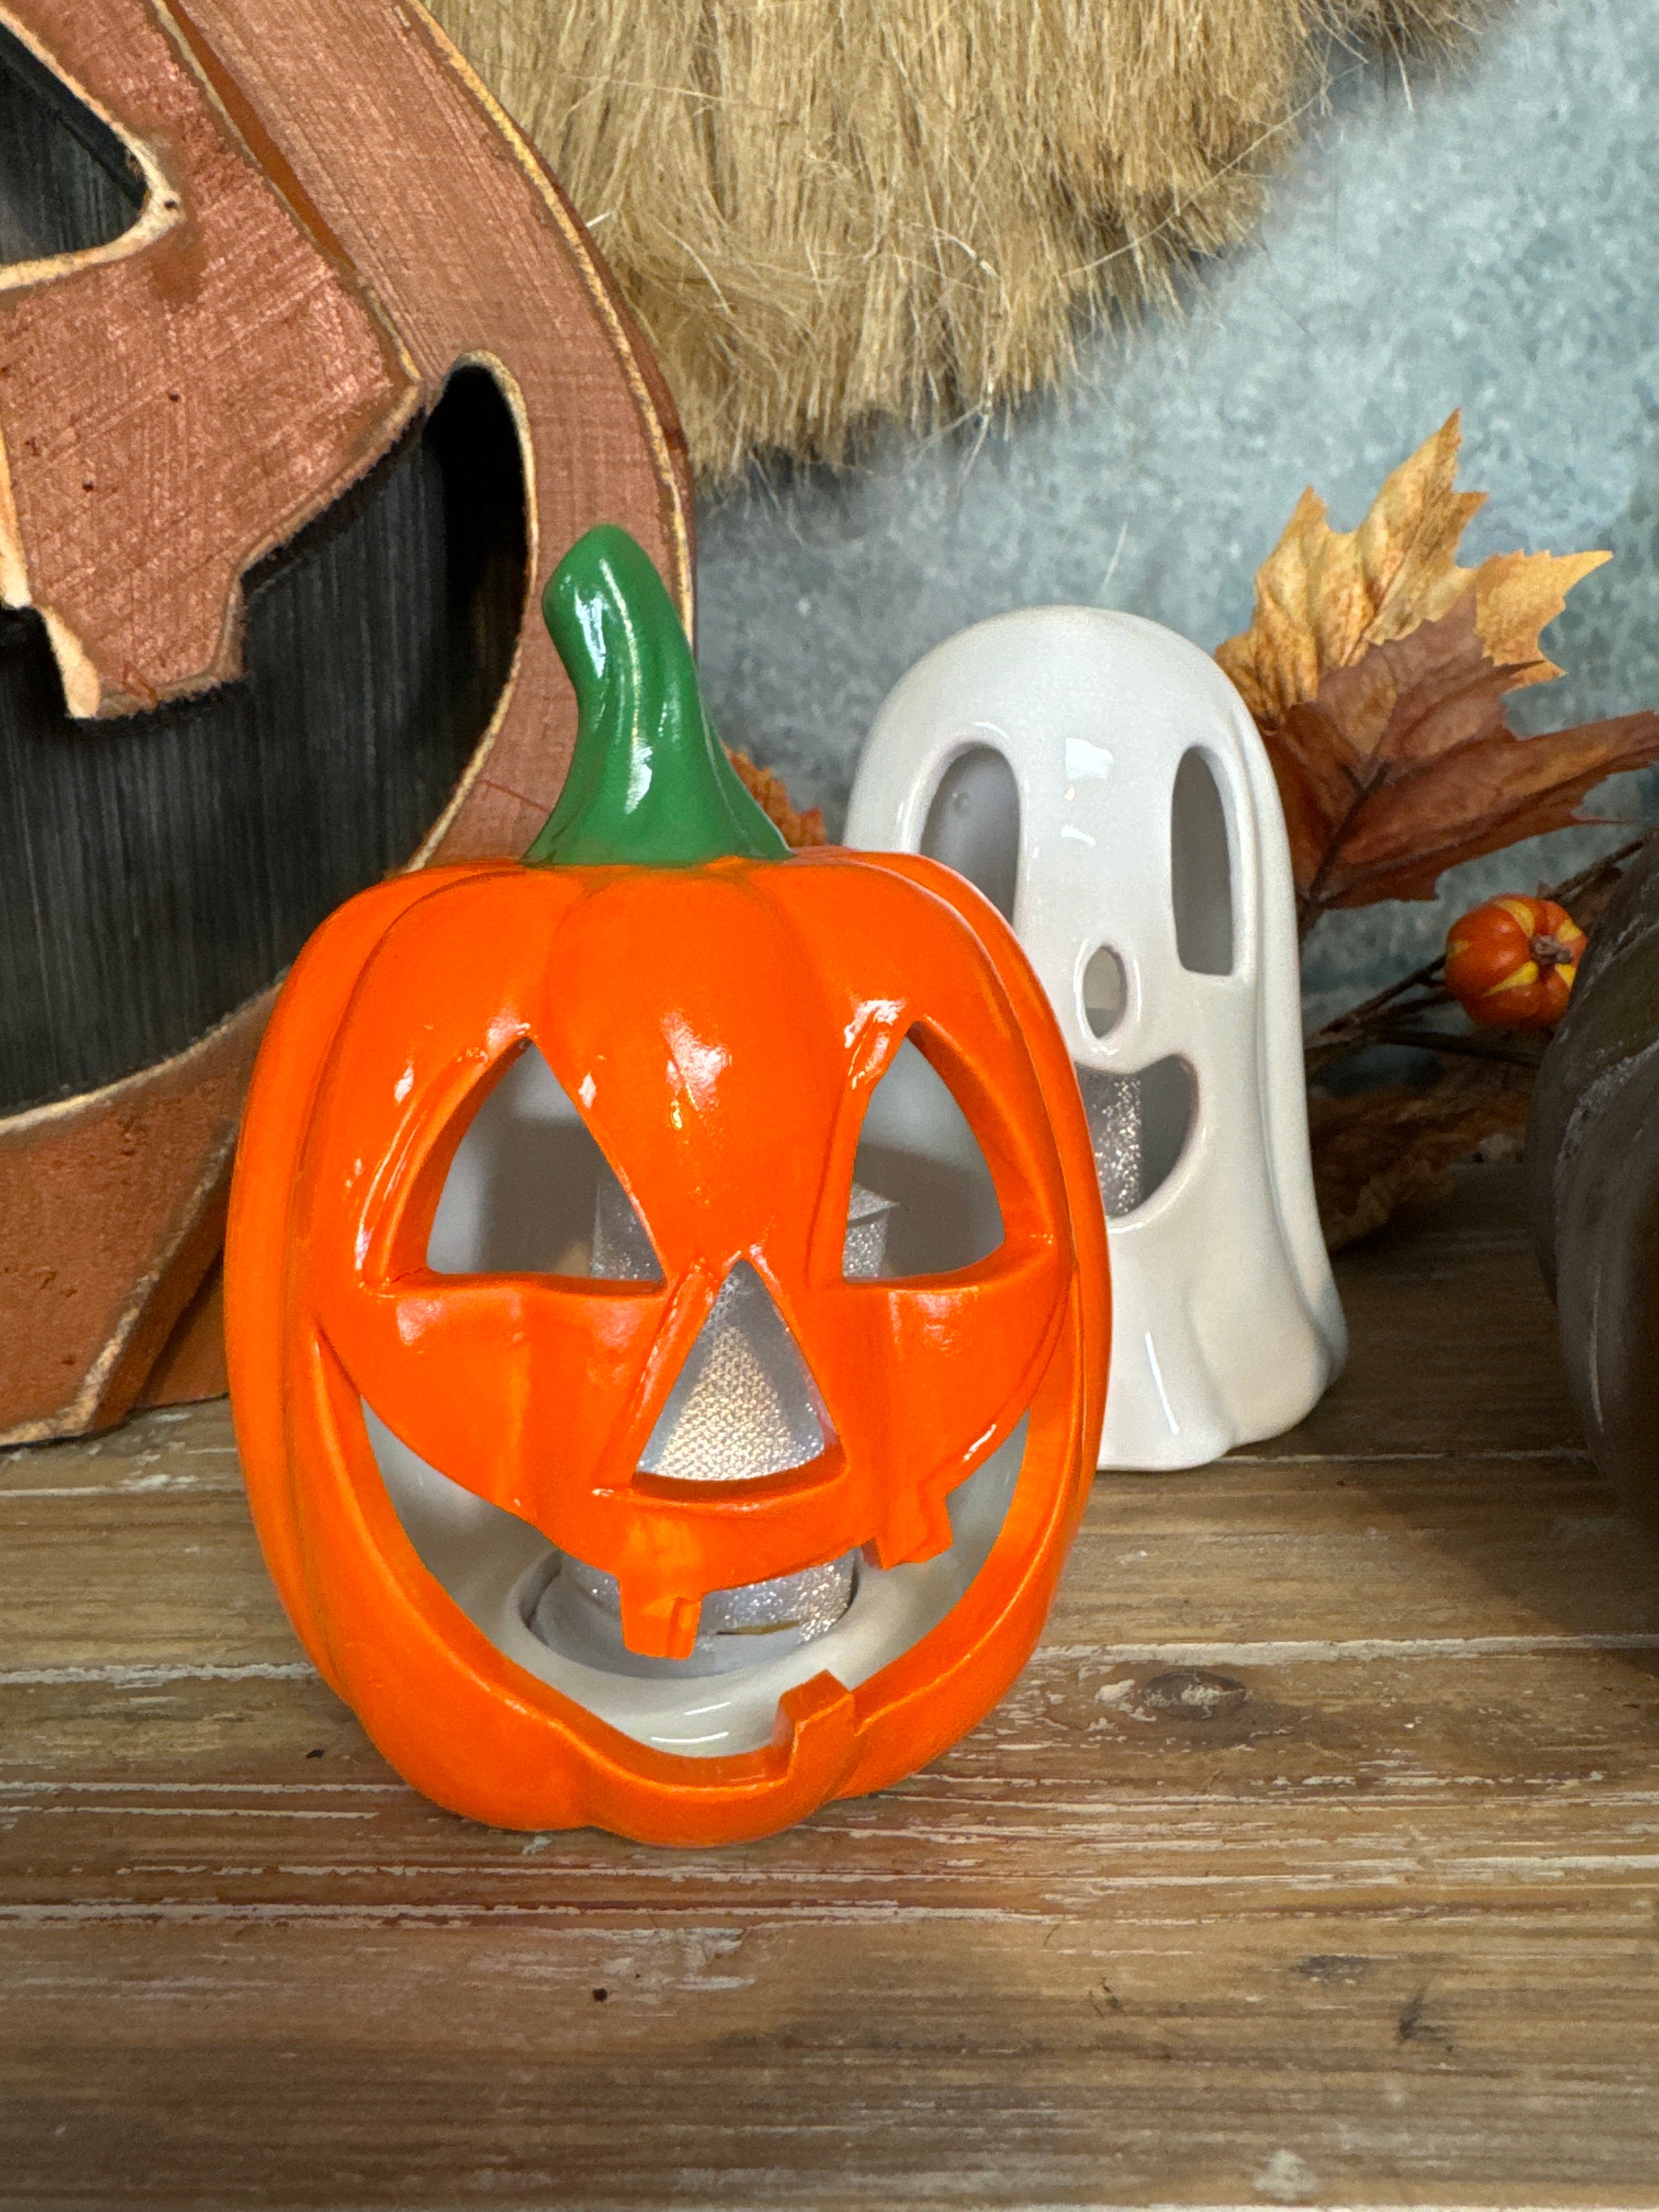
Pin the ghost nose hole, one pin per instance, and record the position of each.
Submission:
(1103, 991)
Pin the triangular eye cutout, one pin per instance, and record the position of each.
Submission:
(66, 182)
(918, 1153)
(530, 1192)
(744, 1404)
(1138, 1126)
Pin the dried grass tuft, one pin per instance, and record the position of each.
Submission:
(826, 212)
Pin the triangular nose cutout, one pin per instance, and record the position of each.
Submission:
(745, 1405)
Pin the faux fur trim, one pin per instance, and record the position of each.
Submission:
(827, 212)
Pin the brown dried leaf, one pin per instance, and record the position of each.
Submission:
(771, 796)
(1405, 766)
(1322, 596)
(1381, 1150)
(1377, 669)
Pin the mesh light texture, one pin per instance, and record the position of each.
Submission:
(810, 1603)
(1112, 1104)
(743, 1407)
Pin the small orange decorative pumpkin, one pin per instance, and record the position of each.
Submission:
(544, 1615)
(1511, 964)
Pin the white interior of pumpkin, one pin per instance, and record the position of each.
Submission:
(511, 1584)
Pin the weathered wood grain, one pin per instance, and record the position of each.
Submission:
(1314, 1857)
(114, 1206)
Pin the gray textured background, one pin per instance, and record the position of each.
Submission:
(1485, 239)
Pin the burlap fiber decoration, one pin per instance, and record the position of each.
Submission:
(825, 212)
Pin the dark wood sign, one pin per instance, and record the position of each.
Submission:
(307, 373)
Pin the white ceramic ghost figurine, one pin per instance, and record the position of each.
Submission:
(1101, 781)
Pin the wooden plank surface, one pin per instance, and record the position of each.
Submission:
(1314, 1859)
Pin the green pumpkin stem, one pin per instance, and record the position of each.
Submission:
(649, 784)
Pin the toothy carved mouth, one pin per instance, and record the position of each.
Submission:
(553, 1616)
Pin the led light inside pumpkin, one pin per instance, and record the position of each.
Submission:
(733, 1470)
(744, 1407)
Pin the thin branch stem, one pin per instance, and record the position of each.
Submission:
(1505, 1046)
(1386, 1016)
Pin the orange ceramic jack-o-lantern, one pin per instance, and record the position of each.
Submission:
(736, 1503)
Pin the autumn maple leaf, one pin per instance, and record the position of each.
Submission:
(1376, 670)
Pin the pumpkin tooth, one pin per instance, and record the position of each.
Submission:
(658, 1626)
(918, 1528)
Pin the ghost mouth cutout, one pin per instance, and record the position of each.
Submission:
(743, 1415)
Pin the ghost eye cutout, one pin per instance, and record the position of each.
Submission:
(923, 1202)
(529, 1191)
(973, 824)
(1200, 869)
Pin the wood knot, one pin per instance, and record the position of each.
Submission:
(1333, 1966)
(1192, 1693)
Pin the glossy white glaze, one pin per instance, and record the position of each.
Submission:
(1226, 1325)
